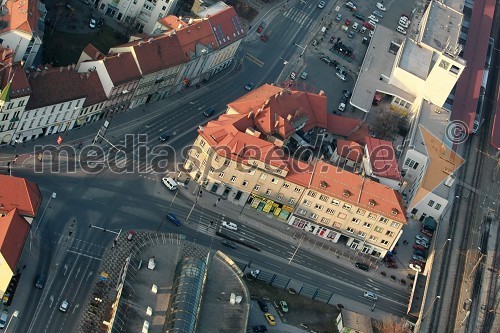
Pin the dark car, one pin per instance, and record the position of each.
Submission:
(419, 253)
(100, 23)
(362, 266)
(389, 259)
(263, 38)
(347, 93)
(209, 112)
(391, 265)
(260, 328)
(164, 137)
(40, 282)
(359, 16)
(228, 243)
(263, 306)
(411, 276)
(172, 218)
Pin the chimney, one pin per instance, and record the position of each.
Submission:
(321, 93)
(61, 69)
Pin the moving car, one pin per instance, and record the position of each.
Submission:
(172, 218)
(40, 282)
(304, 75)
(381, 6)
(209, 112)
(230, 225)
(249, 86)
(270, 319)
(164, 137)
(362, 266)
(92, 23)
(228, 243)
(64, 306)
(321, 4)
(259, 328)
(284, 306)
(263, 305)
(370, 295)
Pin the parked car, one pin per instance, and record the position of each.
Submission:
(249, 86)
(270, 319)
(381, 6)
(351, 6)
(263, 305)
(355, 26)
(422, 238)
(365, 40)
(373, 18)
(230, 225)
(321, 4)
(347, 93)
(3, 319)
(284, 306)
(415, 267)
(377, 13)
(172, 218)
(263, 37)
(40, 281)
(363, 30)
(389, 259)
(100, 23)
(401, 30)
(228, 243)
(347, 22)
(64, 306)
(391, 264)
(350, 34)
(422, 243)
(338, 18)
(368, 25)
(92, 23)
(419, 253)
(259, 328)
(410, 276)
(359, 16)
(304, 75)
(373, 24)
(370, 295)
(341, 107)
(418, 247)
(362, 266)
(293, 75)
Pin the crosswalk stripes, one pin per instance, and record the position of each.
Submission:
(207, 228)
(298, 16)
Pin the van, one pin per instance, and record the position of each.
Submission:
(169, 183)
(401, 30)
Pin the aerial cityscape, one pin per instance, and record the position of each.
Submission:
(249, 166)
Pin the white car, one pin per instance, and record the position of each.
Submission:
(404, 22)
(401, 30)
(377, 13)
(371, 33)
(370, 295)
(230, 225)
(64, 306)
(373, 18)
(321, 4)
(416, 268)
(422, 238)
(373, 23)
(341, 107)
(92, 23)
(381, 6)
(355, 26)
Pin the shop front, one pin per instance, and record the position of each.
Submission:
(266, 205)
(315, 229)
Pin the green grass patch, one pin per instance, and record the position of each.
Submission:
(64, 48)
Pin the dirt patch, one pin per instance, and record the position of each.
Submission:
(318, 316)
(244, 10)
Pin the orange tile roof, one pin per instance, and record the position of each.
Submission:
(19, 193)
(227, 27)
(350, 150)
(197, 32)
(359, 134)
(60, 85)
(13, 73)
(22, 16)
(122, 68)
(342, 126)
(382, 158)
(154, 54)
(361, 191)
(13, 232)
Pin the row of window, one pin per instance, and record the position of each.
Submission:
(411, 163)
(432, 203)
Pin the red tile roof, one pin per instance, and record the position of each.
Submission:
(350, 150)
(469, 84)
(358, 190)
(13, 232)
(14, 74)
(197, 32)
(155, 53)
(19, 193)
(226, 26)
(342, 126)
(93, 52)
(59, 85)
(93, 89)
(382, 158)
(122, 68)
(21, 16)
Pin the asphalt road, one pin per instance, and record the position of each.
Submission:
(139, 201)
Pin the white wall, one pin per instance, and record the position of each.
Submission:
(106, 82)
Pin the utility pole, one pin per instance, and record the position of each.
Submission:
(430, 307)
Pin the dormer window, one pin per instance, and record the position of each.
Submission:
(323, 184)
(372, 202)
(394, 211)
(347, 194)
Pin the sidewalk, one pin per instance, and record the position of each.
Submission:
(335, 253)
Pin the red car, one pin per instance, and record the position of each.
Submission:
(391, 265)
(347, 22)
(418, 247)
(368, 26)
(263, 38)
(260, 28)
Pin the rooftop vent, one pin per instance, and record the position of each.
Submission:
(346, 193)
(394, 211)
(323, 184)
(372, 202)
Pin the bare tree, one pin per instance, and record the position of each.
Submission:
(391, 324)
(389, 123)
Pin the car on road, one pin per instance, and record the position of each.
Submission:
(304, 75)
(92, 23)
(338, 18)
(209, 112)
(170, 183)
(415, 267)
(373, 18)
(270, 319)
(228, 243)
(370, 295)
(230, 225)
(341, 107)
(263, 305)
(362, 266)
(350, 34)
(422, 238)
(321, 4)
(381, 6)
(164, 137)
(359, 16)
(422, 243)
(351, 6)
(172, 218)
(40, 281)
(64, 306)
(355, 26)
(249, 86)
(377, 13)
(259, 328)
(284, 306)
(293, 75)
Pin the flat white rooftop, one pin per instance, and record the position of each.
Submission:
(442, 27)
(415, 59)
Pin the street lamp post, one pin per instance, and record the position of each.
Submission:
(442, 248)
(53, 196)
(430, 307)
(303, 49)
(168, 211)
(285, 62)
(15, 314)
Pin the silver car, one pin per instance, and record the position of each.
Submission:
(370, 295)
